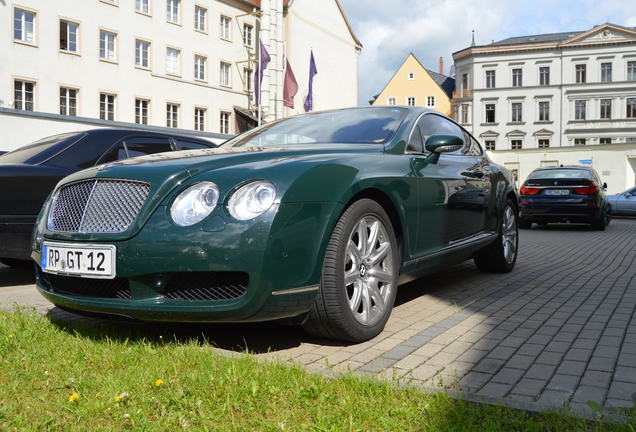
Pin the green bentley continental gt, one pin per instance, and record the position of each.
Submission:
(314, 219)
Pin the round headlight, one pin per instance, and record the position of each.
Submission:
(252, 200)
(194, 204)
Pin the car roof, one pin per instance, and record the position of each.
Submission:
(120, 132)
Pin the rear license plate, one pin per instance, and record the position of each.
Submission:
(557, 192)
(96, 261)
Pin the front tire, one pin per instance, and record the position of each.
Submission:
(501, 256)
(359, 276)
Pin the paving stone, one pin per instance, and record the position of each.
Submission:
(474, 381)
(622, 390)
(529, 387)
(530, 349)
(569, 367)
(554, 398)
(550, 358)
(540, 372)
(626, 374)
(596, 378)
(567, 383)
(578, 354)
(602, 364)
(584, 394)
(489, 365)
(495, 390)
(508, 375)
(501, 353)
(625, 359)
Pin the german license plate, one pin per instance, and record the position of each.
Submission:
(96, 261)
(557, 192)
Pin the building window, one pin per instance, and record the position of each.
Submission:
(225, 28)
(68, 36)
(411, 76)
(544, 75)
(544, 143)
(199, 18)
(579, 141)
(490, 145)
(225, 74)
(172, 11)
(142, 6)
(606, 109)
(248, 79)
(225, 122)
(605, 141)
(410, 101)
(464, 81)
(580, 107)
(544, 111)
(490, 113)
(107, 106)
(107, 45)
(517, 114)
(173, 60)
(23, 95)
(631, 71)
(517, 77)
(142, 50)
(392, 101)
(141, 111)
(172, 115)
(606, 72)
(68, 101)
(464, 113)
(248, 31)
(430, 101)
(24, 26)
(516, 144)
(199, 119)
(631, 107)
(490, 79)
(199, 67)
(581, 72)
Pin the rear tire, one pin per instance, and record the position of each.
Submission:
(501, 255)
(601, 221)
(359, 276)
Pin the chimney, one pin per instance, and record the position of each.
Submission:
(441, 65)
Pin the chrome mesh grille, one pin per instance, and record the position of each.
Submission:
(97, 206)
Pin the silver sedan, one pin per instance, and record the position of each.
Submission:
(624, 203)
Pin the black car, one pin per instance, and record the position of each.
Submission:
(29, 174)
(564, 194)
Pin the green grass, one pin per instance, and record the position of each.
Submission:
(43, 364)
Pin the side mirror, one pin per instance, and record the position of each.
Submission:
(443, 143)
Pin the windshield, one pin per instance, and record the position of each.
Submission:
(26, 153)
(348, 126)
(560, 173)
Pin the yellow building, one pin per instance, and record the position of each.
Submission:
(415, 85)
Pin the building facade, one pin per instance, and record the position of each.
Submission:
(414, 85)
(187, 64)
(564, 98)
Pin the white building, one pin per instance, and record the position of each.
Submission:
(186, 64)
(565, 98)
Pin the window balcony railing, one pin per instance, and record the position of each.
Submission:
(463, 94)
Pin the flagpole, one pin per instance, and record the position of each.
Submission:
(258, 67)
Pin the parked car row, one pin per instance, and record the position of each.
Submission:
(29, 174)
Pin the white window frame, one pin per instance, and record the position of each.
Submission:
(410, 76)
(248, 79)
(173, 12)
(248, 35)
(225, 28)
(512, 112)
(408, 101)
(65, 101)
(391, 101)
(26, 36)
(170, 63)
(142, 112)
(139, 53)
(139, 7)
(200, 114)
(430, 101)
(105, 40)
(172, 115)
(200, 19)
(107, 101)
(225, 74)
(23, 101)
(200, 67)
(224, 122)
(70, 23)
(539, 110)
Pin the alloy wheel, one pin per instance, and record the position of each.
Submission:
(509, 234)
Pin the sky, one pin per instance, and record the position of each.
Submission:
(390, 29)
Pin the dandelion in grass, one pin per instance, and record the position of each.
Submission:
(73, 397)
(159, 383)
(11, 335)
(123, 397)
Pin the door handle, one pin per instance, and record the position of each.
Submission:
(473, 174)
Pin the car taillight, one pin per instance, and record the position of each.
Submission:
(588, 190)
(525, 190)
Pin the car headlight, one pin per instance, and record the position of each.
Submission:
(49, 216)
(194, 204)
(252, 200)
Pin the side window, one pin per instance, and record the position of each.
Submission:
(140, 146)
(416, 144)
(82, 154)
(190, 145)
(472, 147)
(432, 124)
(118, 152)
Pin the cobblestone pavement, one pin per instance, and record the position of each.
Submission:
(560, 330)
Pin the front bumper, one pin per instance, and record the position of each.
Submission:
(15, 236)
(280, 253)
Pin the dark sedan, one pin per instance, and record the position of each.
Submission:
(564, 194)
(29, 174)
